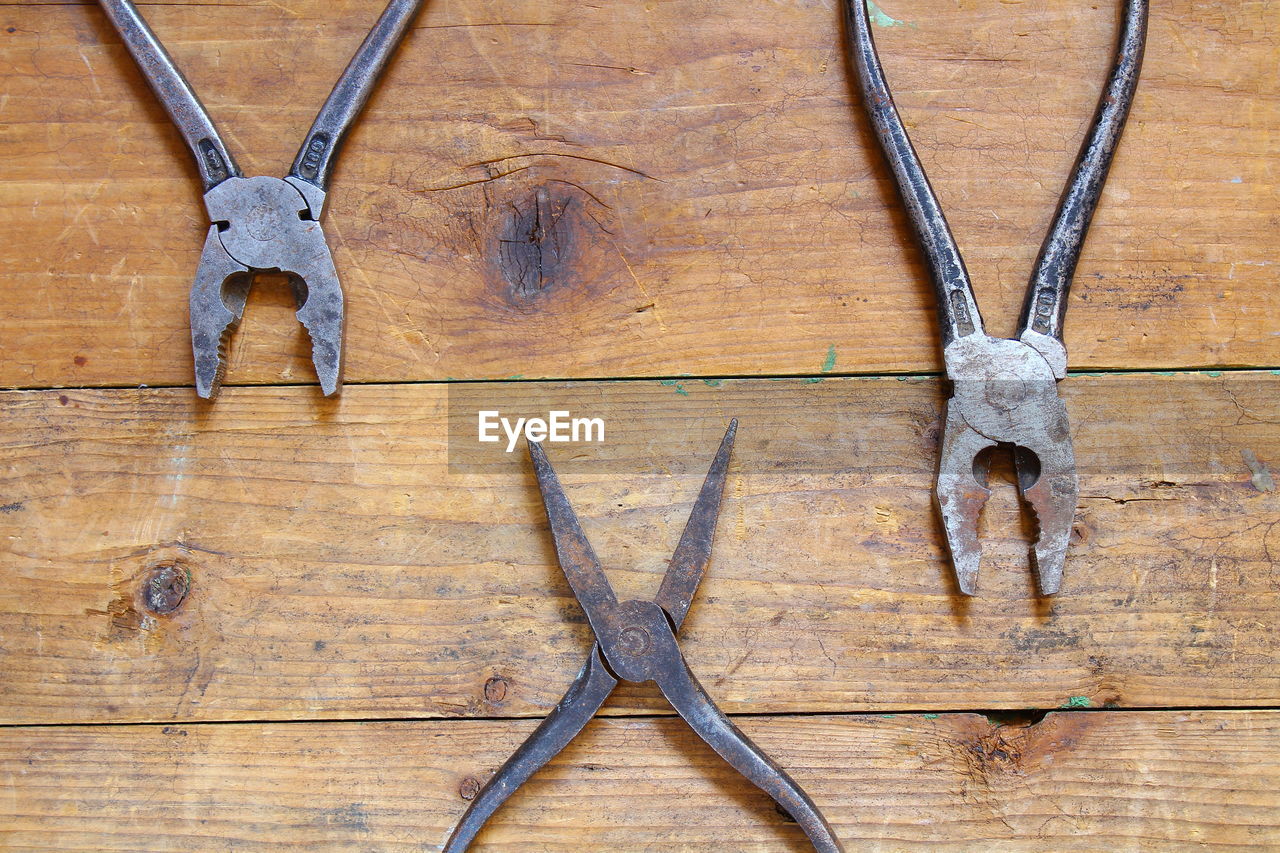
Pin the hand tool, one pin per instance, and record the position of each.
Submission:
(1004, 391)
(636, 641)
(264, 224)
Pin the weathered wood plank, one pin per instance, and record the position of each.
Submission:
(1124, 781)
(559, 189)
(340, 567)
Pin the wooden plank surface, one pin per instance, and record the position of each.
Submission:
(1121, 781)
(675, 189)
(557, 189)
(339, 566)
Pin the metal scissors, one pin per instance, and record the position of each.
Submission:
(1004, 391)
(636, 641)
(264, 224)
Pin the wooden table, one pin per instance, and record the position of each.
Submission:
(672, 213)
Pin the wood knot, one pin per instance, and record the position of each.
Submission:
(165, 586)
(469, 787)
(931, 435)
(552, 237)
(996, 754)
(495, 689)
(537, 248)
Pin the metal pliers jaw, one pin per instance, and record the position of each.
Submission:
(1004, 391)
(264, 224)
(636, 641)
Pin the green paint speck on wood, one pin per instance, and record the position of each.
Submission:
(1078, 702)
(880, 19)
(828, 364)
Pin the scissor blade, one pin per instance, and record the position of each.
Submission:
(689, 562)
(585, 696)
(577, 559)
(678, 683)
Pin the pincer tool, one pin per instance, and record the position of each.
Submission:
(1004, 391)
(636, 641)
(264, 224)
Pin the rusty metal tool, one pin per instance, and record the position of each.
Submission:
(1004, 391)
(636, 641)
(264, 224)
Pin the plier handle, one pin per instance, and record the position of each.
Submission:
(1004, 391)
(264, 224)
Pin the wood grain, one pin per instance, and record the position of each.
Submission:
(555, 189)
(1123, 781)
(339, 565)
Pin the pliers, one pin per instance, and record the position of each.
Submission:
(264, 224)
(636, 641)
(1004, 392)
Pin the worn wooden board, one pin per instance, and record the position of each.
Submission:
(339, 566)
(555, 189)
(1124, 781)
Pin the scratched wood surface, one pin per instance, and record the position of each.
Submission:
(1149, 781)
(591, 191)
(339, 566)
(558, 189)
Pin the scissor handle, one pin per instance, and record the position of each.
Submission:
(179, 100)
(320, 149)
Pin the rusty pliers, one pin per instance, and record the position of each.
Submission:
(1004, 392)
(636, 641)
(263, 224)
